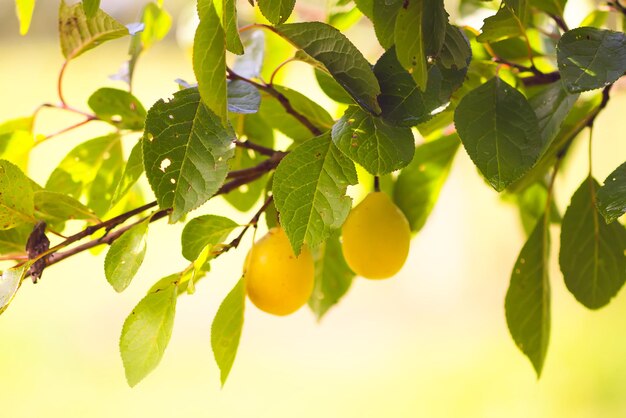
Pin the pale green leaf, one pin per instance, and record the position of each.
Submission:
(276, 11)
(10, 281)
(226, 329)
(250, 63)
(590, 58)
(209, 60)
(505, 24)
(16, 141)
(146, 333)
(203, 231)
(499, 131)
(527, 303)
(133, 170)
(309, 189)
(157, 23)
(24, 9)
(14, 240)
(16, 197)
(409, 41)
(418, 186)
(229, 23)
(59, 207)
(333, 277)
(118, 107)
(369, 141)
(91, 7)
(125, 256)
(243, 97)
(592, 257)
(612, 196)
(79, 33)
(185, 152)
(338, 56)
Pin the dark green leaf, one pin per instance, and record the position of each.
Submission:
(91, 170)
(16, 141)
(505, 24)
(10, 281)
(206, 230)
(185, 152)
(409, 40)
(531, 203)
(125, 256)
(456, 52)
(418, 185)
(366, 7)
(384, 15)
(552, 105)
(226, 329)
(209, 59)
(591, 58)
(243, 97)
(434, 25)
(16, 197)
(133, 170)
(119, 108)
(331, 88)
(310, 191)
(59, 207)
(146, 333)
(24, 10)
(276, 11)
(369, 141)
(80, 34)
(612, 196)
(333, 277)
(499, 131)
(554, 7)
(592, 257)
(527, 303)
(91, 7)
(339, 56)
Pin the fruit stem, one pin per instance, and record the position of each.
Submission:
(376, 184)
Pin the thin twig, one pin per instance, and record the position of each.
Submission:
(255, 147)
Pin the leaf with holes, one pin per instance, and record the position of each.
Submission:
(146, 333)
(17, 204)
(527, 303)
(338, 56)
(80, 34)
(185, 152)
(612, 196)
(309, 189)
(367, 140)
(118, 107)
(591, 58)
(592, 257)
(125, 256)
(499, 131)
(226, 329)
(276, 11)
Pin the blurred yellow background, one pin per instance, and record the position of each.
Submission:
(431, 342)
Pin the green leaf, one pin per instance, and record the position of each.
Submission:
(418, 185)
(310, 191)
(80, 34)
(185, 152)
(590, 58)
(276, 11)
(434, 25)
(59, 207)
(119, 108)
(24, 9)
(16, 141)
(402, 102)
(250, 128)
(226, 329)
(505, 24)
(229, 22)
(592, 257)
(384, 14)
(274, 113)
(527, 303)
(146, 333)
(333, 277)
(344, 20)
(250, 63)
(16, 197)
(243, 97)
(14, 240)
(125, 256)
(10, 281)
(331, 88)
(209, 60)
(554, 7)
(409, 40)
(338, 56)
(552, 105)
(612, 196)
(596, 19)
(91, 7)
(499, 131)
(456, 52)
(92, 171)
(157, 23)
(203, 231)
(531, 203)
(133, 170)
(367, 140)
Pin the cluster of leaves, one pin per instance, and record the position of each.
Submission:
(510, 95)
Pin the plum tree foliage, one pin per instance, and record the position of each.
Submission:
(514, 94)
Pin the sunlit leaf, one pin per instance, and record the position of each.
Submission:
(118, 107)
(133, 170)
(16, 197)
(24, 9)
(203, 231)
(125, 256)
(10, 281)
(226, 329)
